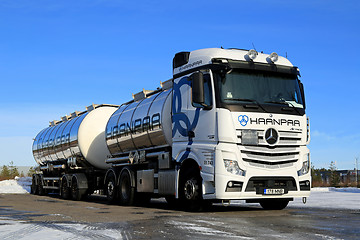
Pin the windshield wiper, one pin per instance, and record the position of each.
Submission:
(242, 99)
(285, 103)
(294, 107)
(278, 102)
(247, 100)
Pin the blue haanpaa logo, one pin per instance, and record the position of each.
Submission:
(243, 120)
(180, 117)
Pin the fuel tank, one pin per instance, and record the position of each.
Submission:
(143, 123)
(81, 137)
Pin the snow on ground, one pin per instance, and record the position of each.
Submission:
(17, 185)
(324, 197)
(331, 198)
(10, 229)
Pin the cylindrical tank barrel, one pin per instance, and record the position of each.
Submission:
(141, 124)
(81, 137)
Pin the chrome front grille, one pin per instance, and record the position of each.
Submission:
(284, 153)
(270, 157)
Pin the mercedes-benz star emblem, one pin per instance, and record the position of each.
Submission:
(271, 136)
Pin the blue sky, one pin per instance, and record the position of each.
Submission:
(60, 56)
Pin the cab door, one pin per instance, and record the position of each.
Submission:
(194, 125)
(203, 127)
(191, 121)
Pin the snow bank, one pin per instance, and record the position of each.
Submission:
(333, 189)
(322, 197)
(17, 185)
(331, 198)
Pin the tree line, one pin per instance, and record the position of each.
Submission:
(332, 177)
(10, 172)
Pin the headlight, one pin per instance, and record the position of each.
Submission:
(232, 167)
(305, 167)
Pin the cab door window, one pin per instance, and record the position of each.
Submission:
(207, 92)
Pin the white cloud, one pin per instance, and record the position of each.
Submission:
(321, 135)
(338, 136)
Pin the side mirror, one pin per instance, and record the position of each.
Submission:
(302, 93)
(198, 88)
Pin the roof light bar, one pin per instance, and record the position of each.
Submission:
(274, 57)
(252, 54)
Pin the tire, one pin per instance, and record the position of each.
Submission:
(41, 189)
(111, 188)
(126, 192)
(34, 185)
(75, 191)
(274, 204)
(190, 193)
(64, 190)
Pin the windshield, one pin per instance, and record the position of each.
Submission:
(260, 88)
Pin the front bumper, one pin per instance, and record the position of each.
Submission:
(257, 178)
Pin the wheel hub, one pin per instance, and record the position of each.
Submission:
(189, 189)
(110, 188)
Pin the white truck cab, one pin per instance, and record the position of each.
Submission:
(241, 116)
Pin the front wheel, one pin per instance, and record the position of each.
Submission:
(190, 191)
(274, 204)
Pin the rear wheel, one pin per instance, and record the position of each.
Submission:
(110, 187)
(75, 191)
(41, 187)
(65, 190)
(274, 204)
(126, 191)
(34, 184)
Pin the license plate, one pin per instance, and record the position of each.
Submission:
(274, 191)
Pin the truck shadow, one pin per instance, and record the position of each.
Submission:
(161, 204)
